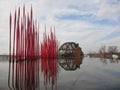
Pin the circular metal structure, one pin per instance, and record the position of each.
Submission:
(67, 49)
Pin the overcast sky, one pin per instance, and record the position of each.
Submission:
(91, 23)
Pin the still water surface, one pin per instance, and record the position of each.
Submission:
(86, 74)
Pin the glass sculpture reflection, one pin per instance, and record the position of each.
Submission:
(25, 74)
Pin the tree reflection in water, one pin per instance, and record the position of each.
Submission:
(71, 64)
(25, 74)
(106, 61)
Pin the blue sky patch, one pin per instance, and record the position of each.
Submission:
(112, 35)
(88, 18)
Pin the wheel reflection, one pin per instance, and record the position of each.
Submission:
(70, 64)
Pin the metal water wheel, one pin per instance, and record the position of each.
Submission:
(66, 50)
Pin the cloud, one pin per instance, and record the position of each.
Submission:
(109, 11)
(90, 23)
(112, 35)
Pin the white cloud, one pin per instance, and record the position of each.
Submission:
(109, 11)
(84, 32)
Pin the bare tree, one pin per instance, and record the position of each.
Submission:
(112, 49)
(102, 51)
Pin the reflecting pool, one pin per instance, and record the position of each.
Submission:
(62, 74)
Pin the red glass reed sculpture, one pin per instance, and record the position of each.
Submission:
(49, 45)
(24, 47)
(25, 36)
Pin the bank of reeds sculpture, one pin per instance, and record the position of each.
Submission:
(25, 51)
(49, 45)
(24, 39)
(25, 36)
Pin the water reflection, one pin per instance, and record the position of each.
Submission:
(106, 61)
(93, 74)
(49, 70)
(70, 64)
(25, 74)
